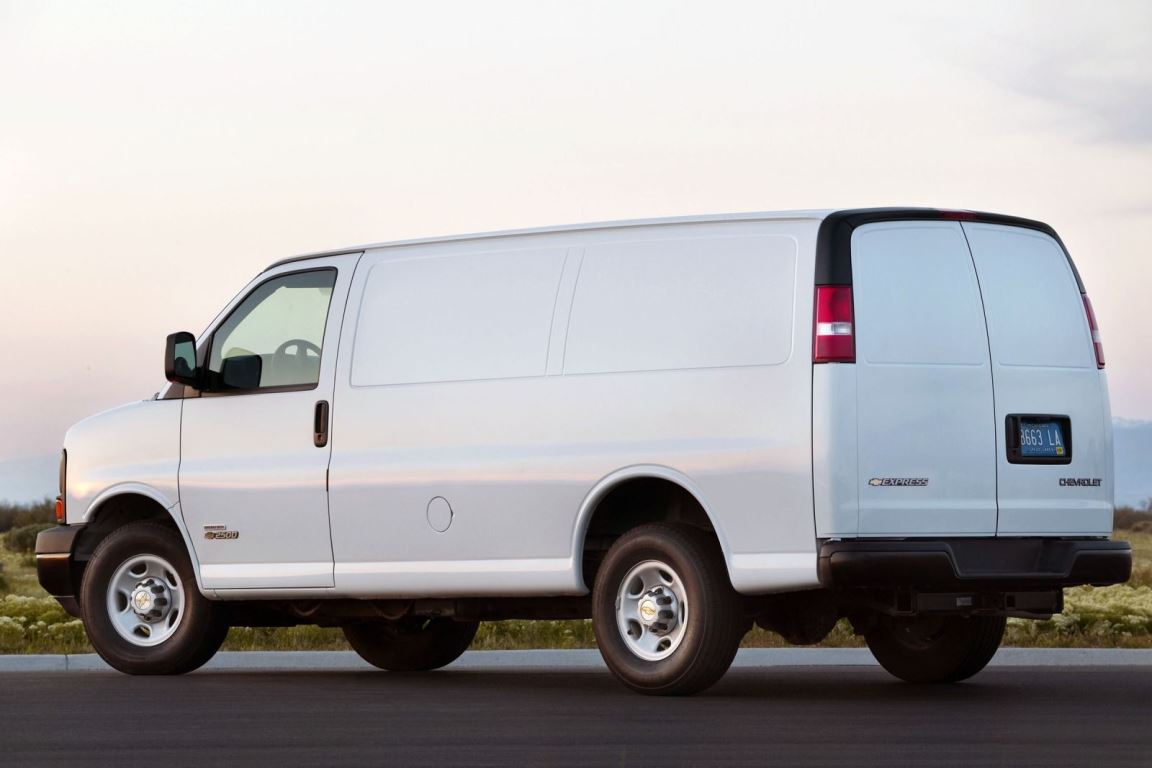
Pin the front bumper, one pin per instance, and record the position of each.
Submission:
(974, 564)
(54, 564)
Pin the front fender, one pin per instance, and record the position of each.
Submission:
(131, 449)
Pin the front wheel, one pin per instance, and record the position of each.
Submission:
(411, 644)
(935, 649)
(141, 608)
(666, 618)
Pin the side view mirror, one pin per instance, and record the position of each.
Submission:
(180, 359)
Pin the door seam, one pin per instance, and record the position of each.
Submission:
(991, 375)
(329, 447)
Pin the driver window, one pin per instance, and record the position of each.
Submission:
(275, 336)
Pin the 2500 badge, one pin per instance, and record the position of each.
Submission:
(220, 533)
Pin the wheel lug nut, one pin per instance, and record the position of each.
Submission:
(660, 627)
(157, 589)
(663, 601)
(665, 614)
(162, 601)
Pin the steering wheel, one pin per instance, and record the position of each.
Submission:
(303, 347)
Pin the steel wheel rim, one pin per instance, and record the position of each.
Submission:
(651, 610)
(145, 600)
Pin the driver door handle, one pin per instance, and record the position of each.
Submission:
(320, 425)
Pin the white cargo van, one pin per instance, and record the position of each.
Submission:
(675, 427)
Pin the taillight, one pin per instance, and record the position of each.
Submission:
(61, 508)
(959, 215)
(833, 338)
(1097, 344)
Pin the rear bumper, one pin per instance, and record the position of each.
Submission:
(54, 564)
(974, 564)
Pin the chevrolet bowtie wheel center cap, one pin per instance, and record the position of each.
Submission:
(150, 599)
(659, 611)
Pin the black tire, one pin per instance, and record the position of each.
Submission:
(202, 626)
(935, 649)
(714, 622)
(411, 644)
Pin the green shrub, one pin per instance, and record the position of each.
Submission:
(19, 515)
(534, 634)
(1129, 519)
(39, 625)
(23, 539)
(303, 638)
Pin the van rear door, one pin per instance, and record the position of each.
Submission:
(1052, 422)
(924, 383)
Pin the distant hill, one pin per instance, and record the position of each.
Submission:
(1133, 445)
(33, 479)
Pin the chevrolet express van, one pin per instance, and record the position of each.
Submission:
(677, 428)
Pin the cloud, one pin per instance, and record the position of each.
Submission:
(1112, 103)
(1092, 61)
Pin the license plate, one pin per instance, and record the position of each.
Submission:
(1042, 439)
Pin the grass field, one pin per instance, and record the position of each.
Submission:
(1111, 617)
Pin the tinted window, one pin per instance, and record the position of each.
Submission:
(275, 337)
(916, 296)
(1035, 313)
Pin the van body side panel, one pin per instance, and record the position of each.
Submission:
(515, 456)
(436, 318)
(687, 303)
(1043, 363)
(1109, 440)
(835, 469)
(926, 439)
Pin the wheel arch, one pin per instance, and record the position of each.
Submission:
(679, 499)
(126, 503)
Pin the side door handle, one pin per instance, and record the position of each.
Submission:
(320, 425)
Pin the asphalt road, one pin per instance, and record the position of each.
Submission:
(837, 716)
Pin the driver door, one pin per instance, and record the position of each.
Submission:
(254, 455)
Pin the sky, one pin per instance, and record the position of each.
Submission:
(155, 156)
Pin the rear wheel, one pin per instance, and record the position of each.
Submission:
(935, 649)
(141, 608)
(666, 618)
(411, 644)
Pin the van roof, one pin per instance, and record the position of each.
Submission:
(840, 220)
(750, 216)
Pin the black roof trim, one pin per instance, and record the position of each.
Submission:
(310, 256)
(834, 241)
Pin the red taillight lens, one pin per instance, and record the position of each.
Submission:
(61, 515)
(833, 338)
(1097, 344)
